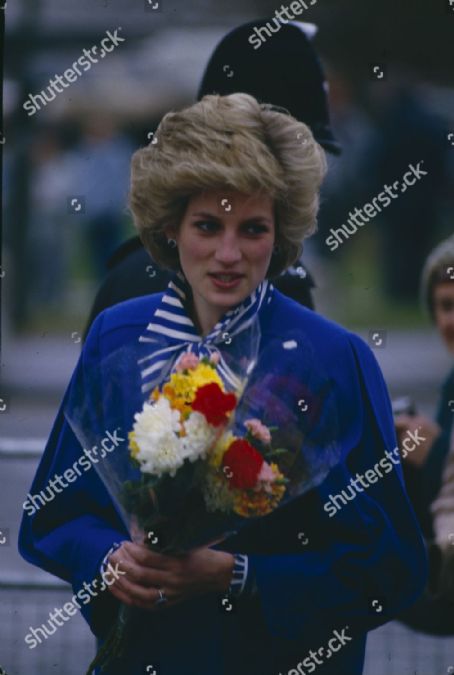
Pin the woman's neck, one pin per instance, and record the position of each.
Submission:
(207, 326)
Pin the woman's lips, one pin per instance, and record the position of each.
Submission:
(225, 280)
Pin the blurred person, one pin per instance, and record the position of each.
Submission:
(428, 459)
(347, 185)
(49, 236)
(101, 185)
(442, 508)
(427, 470)
(286, 72)
(290, 598)
(406, 132)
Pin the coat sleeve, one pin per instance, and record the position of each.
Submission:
(364, 561)
(67, 530)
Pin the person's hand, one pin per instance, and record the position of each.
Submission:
(416, 435)
(179, 577)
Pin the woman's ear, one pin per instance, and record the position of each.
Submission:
(170, 232)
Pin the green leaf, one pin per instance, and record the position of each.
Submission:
(277, 451)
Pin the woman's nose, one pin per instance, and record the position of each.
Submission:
(228, 250)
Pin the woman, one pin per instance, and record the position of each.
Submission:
(225, 197)
(257, 72)
(425, 464)
(429, 470)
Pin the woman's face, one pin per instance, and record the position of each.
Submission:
(225, 233)
(444, 312)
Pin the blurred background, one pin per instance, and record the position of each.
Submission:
(65, 180)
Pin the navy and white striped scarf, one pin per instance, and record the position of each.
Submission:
(171, 322)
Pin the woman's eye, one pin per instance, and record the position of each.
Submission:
(206, 225)
(446, 305)
(256, 229)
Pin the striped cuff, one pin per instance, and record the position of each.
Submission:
(105, 560)
(243, 580)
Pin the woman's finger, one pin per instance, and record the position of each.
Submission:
(143, 556)
(143, 575)
(141, 596)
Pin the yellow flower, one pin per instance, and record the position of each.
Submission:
(155, 394)
(187, 385)
(182, 386)
(217, 453)
(249, 503)
(177, 403)
(132, 444)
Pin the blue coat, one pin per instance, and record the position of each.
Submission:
(361, 566)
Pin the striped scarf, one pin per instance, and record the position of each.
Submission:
(171, 321)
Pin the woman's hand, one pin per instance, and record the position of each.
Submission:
(419, 427)
(179, 577)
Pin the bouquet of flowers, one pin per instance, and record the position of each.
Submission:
(195, 470)
(222, 440)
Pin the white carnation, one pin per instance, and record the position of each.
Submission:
(156, 429)
(200, 437)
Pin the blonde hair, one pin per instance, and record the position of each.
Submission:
(228, 142)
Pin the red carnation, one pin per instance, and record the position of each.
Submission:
(243, 462)
(211, 401)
